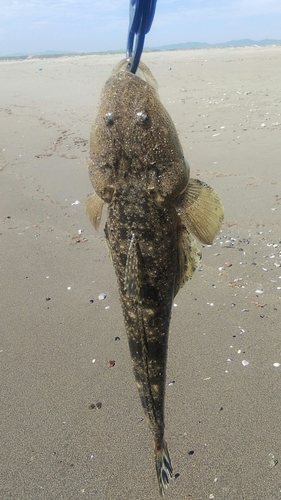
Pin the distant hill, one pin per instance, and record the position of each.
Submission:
(47, 53)
(56, 53)
(175, 46)
(233, 43)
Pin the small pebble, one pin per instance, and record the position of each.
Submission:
(276, 365)
(272, 460)
(102, 296)
(117, 339)
(111, 363)
(245, 362)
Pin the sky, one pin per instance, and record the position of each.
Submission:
(34, 26)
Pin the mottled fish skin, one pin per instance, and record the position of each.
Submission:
(134, 138)
(138, 168)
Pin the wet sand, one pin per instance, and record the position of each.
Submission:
(223, 411)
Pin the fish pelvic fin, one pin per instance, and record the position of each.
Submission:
(189, 258)
(93, 208)
(133, 269)
(164, 468)
(200, 210)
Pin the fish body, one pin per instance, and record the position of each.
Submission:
(142, 238)
(137, 168)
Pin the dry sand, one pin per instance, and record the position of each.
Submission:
(226, 104)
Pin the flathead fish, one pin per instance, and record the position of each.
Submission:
(137, 168)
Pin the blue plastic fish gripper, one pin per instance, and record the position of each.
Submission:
(141, 15)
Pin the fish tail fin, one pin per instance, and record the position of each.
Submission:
(163, 467)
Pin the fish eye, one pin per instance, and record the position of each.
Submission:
(109, 118)
(142, 117)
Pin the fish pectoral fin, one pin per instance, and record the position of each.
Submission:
(200, 210)
(133, 270)
(93, 208)
(189, 257)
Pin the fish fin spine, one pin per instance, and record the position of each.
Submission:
(132, 270)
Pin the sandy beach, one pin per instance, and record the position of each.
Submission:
(223, 405)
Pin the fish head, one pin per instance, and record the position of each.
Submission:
(134, 140)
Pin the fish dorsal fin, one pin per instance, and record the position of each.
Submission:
(93, 208)
(189, 258)
(200, 210)
(132, 270)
